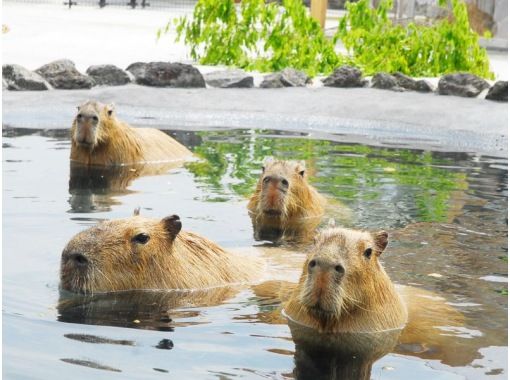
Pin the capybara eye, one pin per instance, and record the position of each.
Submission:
(95, 118)
(340, 269)
(141, 238)
(367, 253)
(285, 183)
(312, 263)
(266, 180)
(79, 116)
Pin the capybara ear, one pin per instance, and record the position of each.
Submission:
(266, 162)
(109, 109)
(173, 225)
(381, 241)
(301, 168)
(136, 211)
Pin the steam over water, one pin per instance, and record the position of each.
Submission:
(446, 214)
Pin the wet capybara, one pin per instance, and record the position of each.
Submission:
(284, 205)
(144, 253)
(344, 288)
(99, 138)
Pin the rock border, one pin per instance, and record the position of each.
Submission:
(62, 74)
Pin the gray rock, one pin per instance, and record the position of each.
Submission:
(62, 74)
(384, 81)
(272, 81)
(294, 78)
(229, 79)
(108, 75)
(166, 74)
(16, 77)
(286, 78)
(404, 81)
(136, 69)
(345, 76)
(498, 92)
(461, 84)
(424, 86)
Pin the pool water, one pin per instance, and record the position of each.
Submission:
(446, 214)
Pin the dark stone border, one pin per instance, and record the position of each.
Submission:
(62, 74)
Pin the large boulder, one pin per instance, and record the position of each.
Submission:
(229, 79)
(62, 74)
(499, 91)
(384, 81)
(286, 78)
(461, 84)
(108, 75)
(345, 76)
(166, 74)
(18, 78)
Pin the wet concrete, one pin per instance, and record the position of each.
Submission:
(380, 117)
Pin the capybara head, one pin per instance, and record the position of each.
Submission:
(89, 123)
(342, 277)
(283, 194)
(339, 266)
(281, 184)
(120, 254)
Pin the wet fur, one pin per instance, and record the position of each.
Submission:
(186, 261)
(301, 208)
(117, 143)
(365, 300)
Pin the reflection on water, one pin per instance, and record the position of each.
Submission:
(338, 356)
(446, 214)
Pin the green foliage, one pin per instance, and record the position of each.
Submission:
(376, 44)
(268, 37)
(257, 36)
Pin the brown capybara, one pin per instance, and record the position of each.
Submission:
(285, 206)
(143, 253)
(99, 138)
(344, 288)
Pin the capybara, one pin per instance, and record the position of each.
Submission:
(344, 288)
(285, 206)
(99, 138)
(144, 253)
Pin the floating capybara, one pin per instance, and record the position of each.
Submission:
(285, 206)
(344, 288)
(143, 253)
(99, 138)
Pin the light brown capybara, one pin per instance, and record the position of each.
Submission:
(99, 138)
(284, 205)
(144, 253)
(344, 289)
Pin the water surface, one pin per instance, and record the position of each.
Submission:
(446, 214)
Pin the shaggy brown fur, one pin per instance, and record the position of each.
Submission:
(99, 138)
(142, 253)
(344, 288)
(285, 205)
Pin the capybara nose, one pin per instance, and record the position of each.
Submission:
(316, 264)
(277, 180)
(78, 259)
